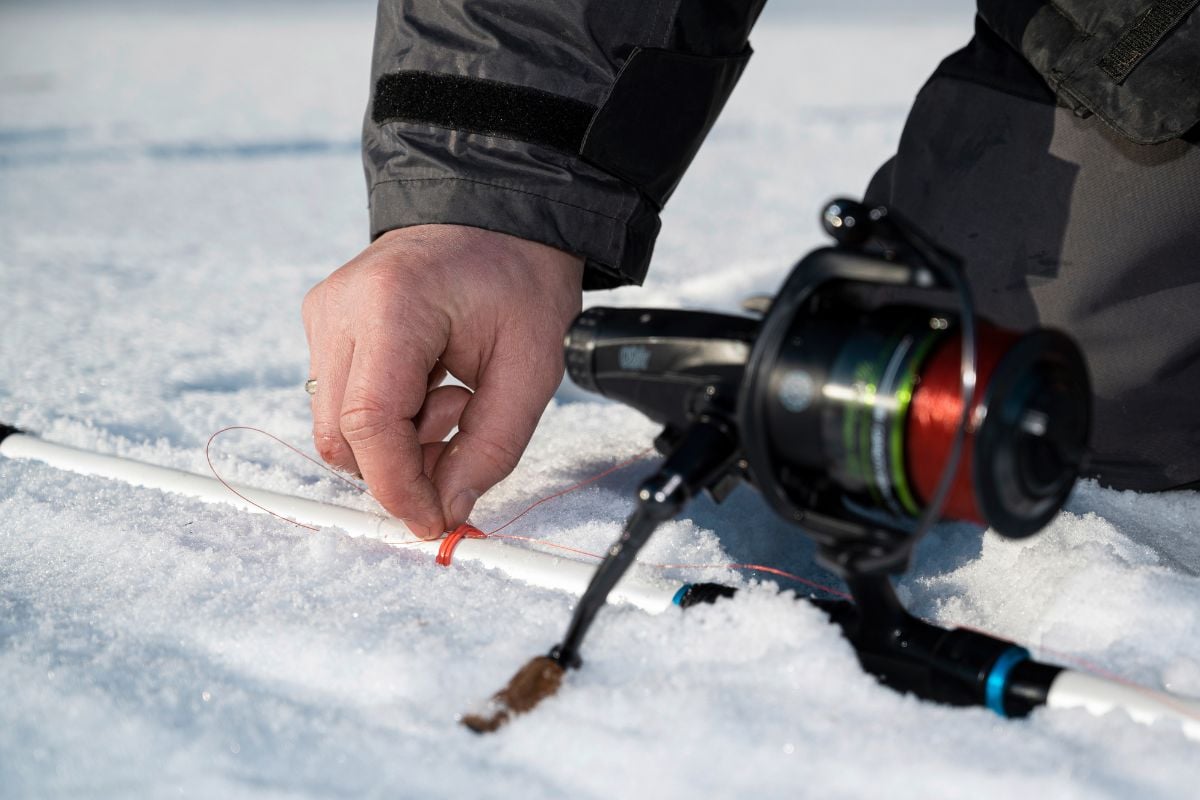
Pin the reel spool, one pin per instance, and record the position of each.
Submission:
(867, 405)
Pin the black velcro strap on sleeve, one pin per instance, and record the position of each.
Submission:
(483, 106)
(1143, 36)
(661, 106)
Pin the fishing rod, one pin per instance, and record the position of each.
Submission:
(648, 592)
(862, 421)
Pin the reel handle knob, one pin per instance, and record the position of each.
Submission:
(848, 222)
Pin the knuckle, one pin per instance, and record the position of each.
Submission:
(310, 306)
(312, 299)
(322, 298)
(384, 279)
(365, 418)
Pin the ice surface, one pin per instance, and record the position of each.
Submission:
(172, 179)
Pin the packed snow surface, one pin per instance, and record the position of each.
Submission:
(173, 177)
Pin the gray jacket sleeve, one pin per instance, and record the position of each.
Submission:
(568, 122)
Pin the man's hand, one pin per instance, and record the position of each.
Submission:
(385, 328)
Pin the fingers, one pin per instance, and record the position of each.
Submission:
(495, 426)
(441, 412)
(384, 328)
(330, 365)
(431, 453)
(385, 388)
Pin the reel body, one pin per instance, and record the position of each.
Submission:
(862, 425)
(849, 411)
(845, 414)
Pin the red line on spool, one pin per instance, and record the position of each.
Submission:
(934, 414)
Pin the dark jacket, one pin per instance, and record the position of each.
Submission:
(570, 122)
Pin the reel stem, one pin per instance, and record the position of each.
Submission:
(700, 459)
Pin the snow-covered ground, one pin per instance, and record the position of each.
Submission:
(172, 179)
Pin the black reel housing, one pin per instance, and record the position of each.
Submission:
(814, 394)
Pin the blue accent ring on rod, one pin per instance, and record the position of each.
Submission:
(997, 679)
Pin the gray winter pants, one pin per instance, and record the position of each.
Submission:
(1064, 224)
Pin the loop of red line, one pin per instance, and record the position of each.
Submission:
(577, 486)
(213, 468)
(464, 531)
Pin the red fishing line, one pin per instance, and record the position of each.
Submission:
(934, 414)
(545, 543)
(212, 468)
(446, 551)
(764, 569)
(744, 567)
(577, 486)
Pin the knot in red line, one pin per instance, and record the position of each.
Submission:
(464, 531)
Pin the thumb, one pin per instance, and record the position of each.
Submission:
(493, 431)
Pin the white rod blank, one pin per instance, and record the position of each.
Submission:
(1099, 696)
(639, 587)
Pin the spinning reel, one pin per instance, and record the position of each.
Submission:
(863, 424)
(861, 421)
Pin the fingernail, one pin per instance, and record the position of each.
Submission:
(461, 505)
(418, 530)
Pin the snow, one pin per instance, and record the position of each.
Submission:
(172, 180)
